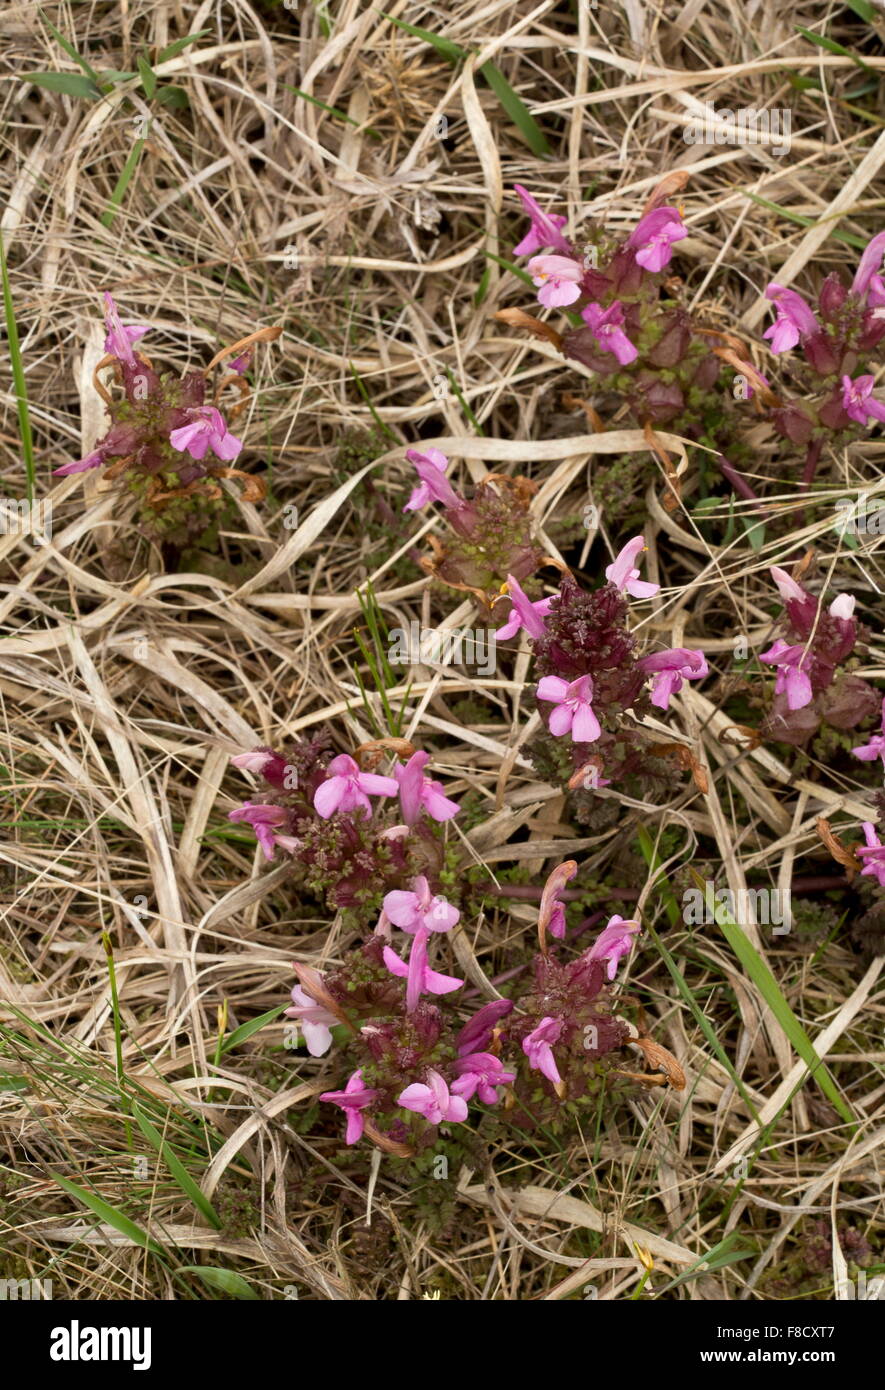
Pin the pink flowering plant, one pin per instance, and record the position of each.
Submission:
(168, 440)
(410, 1061)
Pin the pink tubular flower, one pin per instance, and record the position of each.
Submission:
(787, 587)
(791, 678)
(354, 1098)
(868, 752)
(478, 1074)
(263, 820)
(430, 465)
(544, 230)
(417, 792)
(347, 788)
(422, 980)
(670, 669)
(559, 279)
(870, 263)
(653, 237)
(607, 327)
(314, 1020)
(206, 430)
(120, 337)
(858, 400)
(614, 941)
(872, 855)
(433, 1100)
(794, 318)
(624, 574)
(419, 910)
(574, 711)
(523, 613)
(843, 607)
(537, 1046)
(478, 1031)
(93, 460)
(254, 761)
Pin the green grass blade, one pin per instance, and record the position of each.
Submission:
(69, 48)
(245, 1030)
(18, 377)
(768, 987)
(71, 84)
(187, 1184)
(225, 1280)
(122, 184)
(109, 1215)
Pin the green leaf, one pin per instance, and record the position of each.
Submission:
(177, 1168)
(122, 183)
(862, 8)
(516, 109)
(224, 1280)
(70, 83)
(755, 532)
(147, 75)
(109, 1215)
(518, 112)
(68, 48)
(831, 46)
(797, 217)
(18, 376)
(769, 988)
(245, 1030)
(172, 50)
(175, 97)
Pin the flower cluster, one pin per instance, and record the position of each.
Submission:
(169, 440)
(807, 690)
(326, 816)
(417, 1066)
(490, 535)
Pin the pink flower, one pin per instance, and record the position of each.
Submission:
(544, 230)
(622, 572)
(614, 941)
(419, 910)
(537, 1047)
(433, 1101)
(434, 486)
(794, 318)
(263, 820)
(315, 1021)
(858, 400)
(478, 1031)
(354, 1098)
(120, 337)
(653, 237)
(346, 788)
(843, 607)
(93, 460)
(670, 669)
(559, 279)
(870, 263)
(417, 791)
(206, 430)
(872, 855)
(523, 613)
(479, 1073)
(607, 327)
(791, 678)
(787, 587)
(574, 712)
(421, 979)
(254, 761)
(868, 752)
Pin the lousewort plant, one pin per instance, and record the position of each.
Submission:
(168, 439)
(410, 1061)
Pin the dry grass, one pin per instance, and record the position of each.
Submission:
(125, 689)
